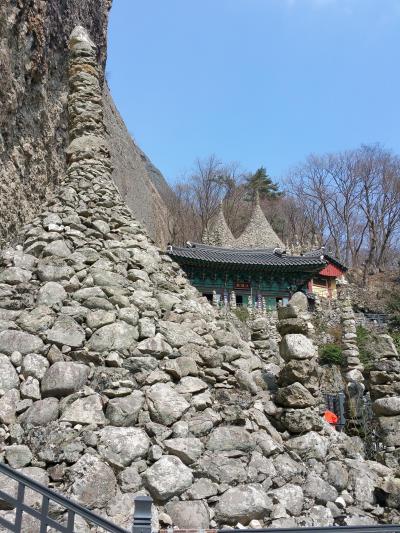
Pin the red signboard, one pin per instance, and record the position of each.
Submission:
(242, 285)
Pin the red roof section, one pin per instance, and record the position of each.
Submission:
(331, 271)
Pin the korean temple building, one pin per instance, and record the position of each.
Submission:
(254, 270)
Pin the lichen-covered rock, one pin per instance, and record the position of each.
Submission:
(66, 331)
(34, 365)
(188, 449)
(189, 515)
(88, 410)
(41, 413)
(125, 411)
(243, 504)
(51, 293)
(167, 477)
(296, 346)
(290, 496)
(8, 375)
(117, 336)
(64, 378)
(93, 482)
(166, 406)
(226, 438)
(120, 446)
(18, 455)
(19, 341)
(294, 395)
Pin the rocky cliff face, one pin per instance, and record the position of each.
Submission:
(33, 122)
(117, 378)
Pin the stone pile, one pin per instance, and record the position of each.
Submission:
(298, 382)
(118, 379)
(384, 378)
(354, 367)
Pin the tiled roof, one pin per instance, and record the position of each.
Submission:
(255, 257)
(328, 257)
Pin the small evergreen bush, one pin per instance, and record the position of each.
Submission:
(242, 313)
(364, 341)
(331, 354)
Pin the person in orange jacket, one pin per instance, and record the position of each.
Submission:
(331, 418)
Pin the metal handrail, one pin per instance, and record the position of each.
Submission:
(71, 506)
(346, 529)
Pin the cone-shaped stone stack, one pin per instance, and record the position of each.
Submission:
(217, 232)
(258, 232)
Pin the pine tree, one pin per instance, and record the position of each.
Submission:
(261, 182)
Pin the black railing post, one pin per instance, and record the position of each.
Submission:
(142, 515)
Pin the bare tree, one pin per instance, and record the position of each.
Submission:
(352, 199)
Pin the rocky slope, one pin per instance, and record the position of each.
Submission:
(33, 94)
(118, 379)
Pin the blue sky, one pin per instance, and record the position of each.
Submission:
(260, 82)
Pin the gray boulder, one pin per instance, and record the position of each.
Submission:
(310, 445)
(118, 336)
(290, 496)
(166, 406)
(124, 411)
(88, 410)
(387, 406)
(30, 388)
(187, 449)
(299, 300)
(296, 346)
(34, 365)
(301, 420)
(15, 276)
(294, 395)
(319, 489)
(155, 346)
(189, 515)
(130, 479)
(41, 413)
(93, 482)
(39, 319)
(243, 504)
(338, 475)
(8, 375)
(390, 426)
(18, 455)
(100, 317)
(8, 406)
(66, 331)
(51, 293)
(64, 378)
(167, 477)
(19, 341)
(121, 446)
(178, 335)
(226, 438)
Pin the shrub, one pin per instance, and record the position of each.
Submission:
(242, 313)
(364, 342)
(396, 339)
(331, 354)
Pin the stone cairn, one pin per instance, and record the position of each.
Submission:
(298, 382)
(384, 376)
(118, 379)
(354, 367)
